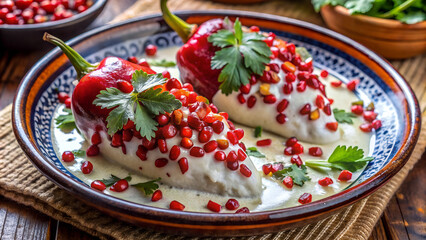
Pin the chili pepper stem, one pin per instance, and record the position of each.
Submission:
(80, 64)
(183, 29)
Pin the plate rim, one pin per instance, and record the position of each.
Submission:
(316, 208)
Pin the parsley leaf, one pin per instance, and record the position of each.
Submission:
(343, 158)
(258, 131)
(241, 55)
(161, 63)
(140, 106)
(65, 121)
(298, 174)
(79, 153)
(252, 151)
(147, 187)
(113, 179)
(343, 117)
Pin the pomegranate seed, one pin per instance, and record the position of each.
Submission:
(336, 83)
(245, 88)
(127, 135)
(369, 116)
(352, 84)
(245, 170)
(117, 140)
(161, 162)
(243, 146)
(332, 126)
(269, 41)
(313, 82)
(220, 156)
(194, 122)
(295, 159)
(290, 77)
(224, 114)
(148, 144)
(174, 152)
(366, 127)
(86, 167)
(291, 141)
(327, 109)
(288, 151)
(243, 210)
(169, 131)
(188, 87)
(254, 29)
(120, 186)
(210, 146)
(288, 182)
(315, 151)
(133, 59)
(274, 67)
(231, 125)
(287, 88)
(141, 153)
(301, 86)
(357, 109)
(232, 156)
(68, 156)
(183, 165)
(281, 118)
(82, 8)
(213, 108)
(253, 79)
(376, 124)
(222, 143)
(98, 185)
(232, 204)
(251, 101)
(92, 151)
(232, 137)
(288, 67)
(218, 126)
(156, 196)
(175, 205)
(264, 142)
(297, 148)
(163, 119)
(345, 175)
(68, 103)
(306, 109)
(269, 99)
(162, 145)
(96, 138)
(274, 51)
(129, 125)
(233, 166)
(267, 168)
(241, 155)
(186, 132)
(196, 152)
(205, 135)
(124, 86)
(214, 207)
(331, 100)
(305, 198)
(325, 181)
(319, 101)
(239, 132)
(151, 50)
(62, 96)
(282, 105)
(241, 98)
(166, 74)
(324, 74)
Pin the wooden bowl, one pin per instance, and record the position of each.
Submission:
(390, 38)
(35, 102)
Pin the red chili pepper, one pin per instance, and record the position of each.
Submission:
(93, 79)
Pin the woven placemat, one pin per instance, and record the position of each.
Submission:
(20, 180)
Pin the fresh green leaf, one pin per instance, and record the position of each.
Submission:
(258, 131)
(113, 179)
(66, 121)
(303, 53)
(412, 17)
(298, 174)
(79, 153)
(241, 55)
(320, 3)
(158, 102)
(142, 81)
(161, 63)
(144, 122)
(343, 158)
(343, 117)
(359, 6)
(252, 151)
(147, 187)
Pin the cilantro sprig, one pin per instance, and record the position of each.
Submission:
(298, 174)
(65, 121)
(343, 158)
(161, 63)
(113, 179)
(140, 106)
(241, 54)
(147, 187)
(343, 117)
(253, 152)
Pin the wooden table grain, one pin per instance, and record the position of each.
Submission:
(404, 218)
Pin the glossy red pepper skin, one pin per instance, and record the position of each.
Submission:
(194, 58)
(107, 73)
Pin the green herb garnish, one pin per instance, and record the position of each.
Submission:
(343, 158)
(147, 187)
(79, 153)
(258, 131)
(140, 106)
(65, 121)
(343, 117)
(161, 63)
(303, 53)
(113, 179)
(252, 151)
(298, 174)
(242, 54)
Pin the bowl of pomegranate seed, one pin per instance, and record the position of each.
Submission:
(23, 22)
(164, 121)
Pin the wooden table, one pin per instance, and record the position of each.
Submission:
(403, 219)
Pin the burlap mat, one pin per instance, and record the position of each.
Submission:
(20, 180)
